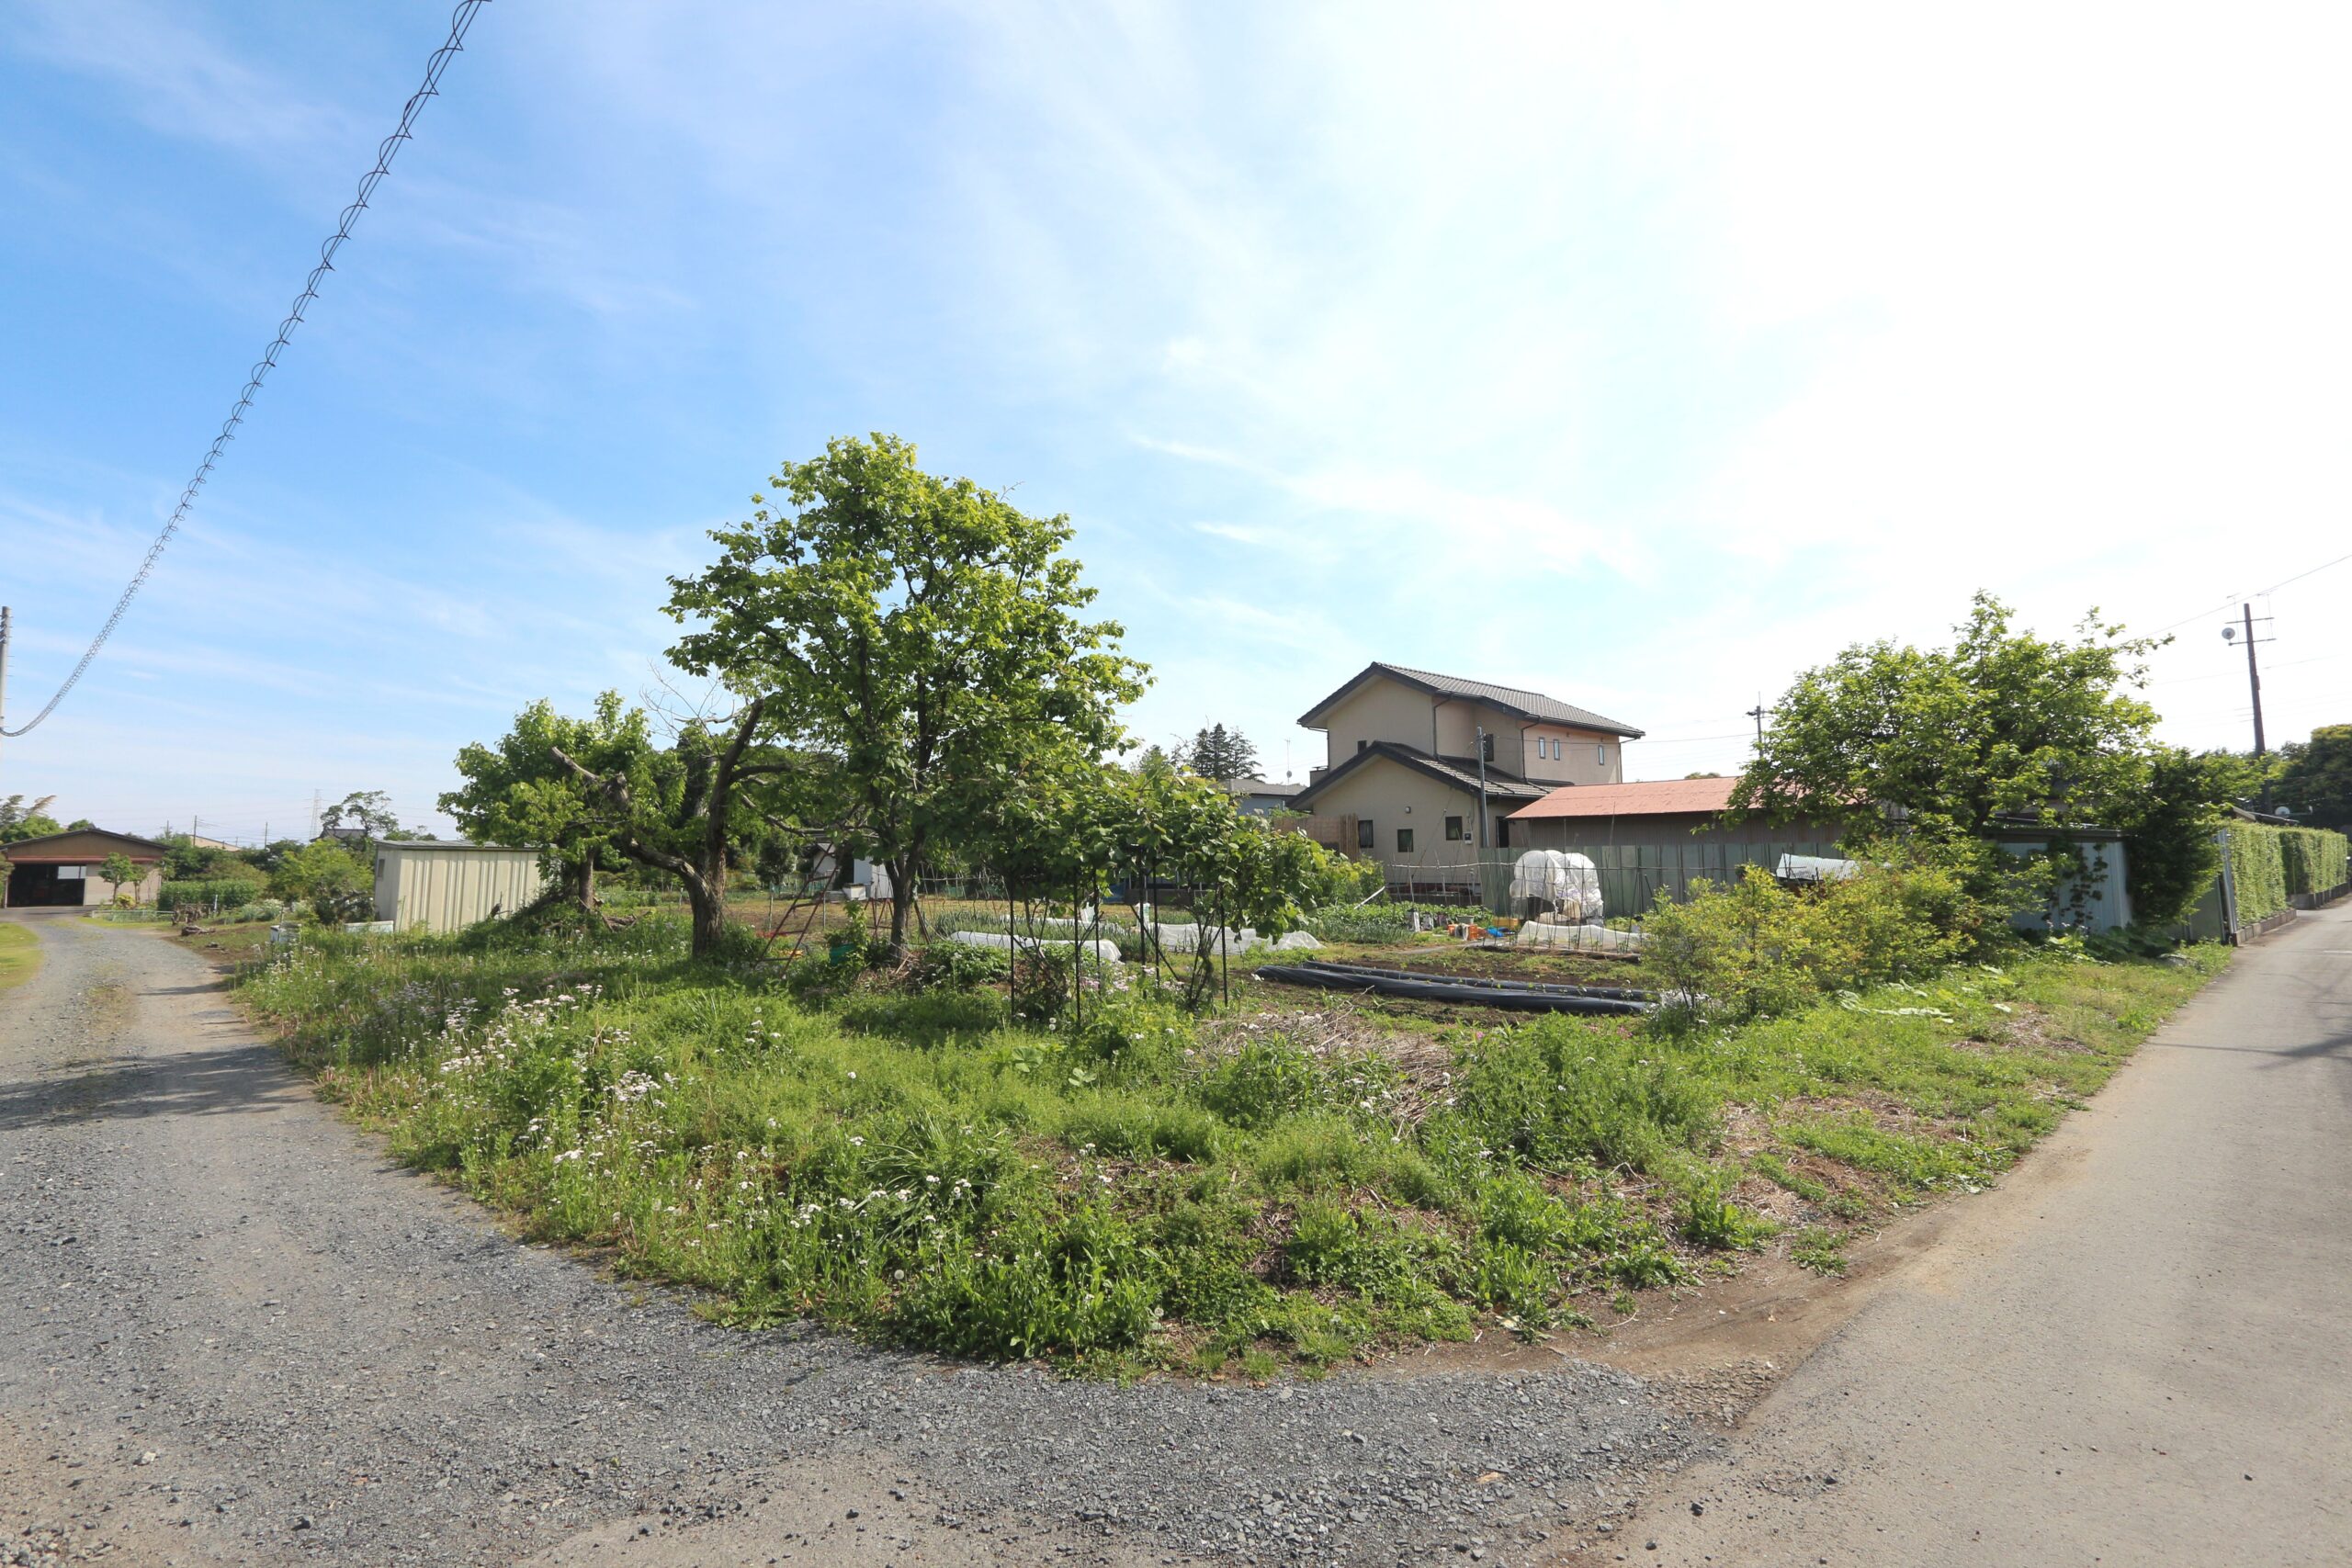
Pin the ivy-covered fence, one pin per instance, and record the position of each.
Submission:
(2270, 868)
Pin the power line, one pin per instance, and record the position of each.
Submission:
(2300, 575)
(460, 21)
(2234, 598)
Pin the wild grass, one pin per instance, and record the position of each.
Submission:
(914, 1165)
(19, 954)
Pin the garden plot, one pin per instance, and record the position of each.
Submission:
(1282, 1186)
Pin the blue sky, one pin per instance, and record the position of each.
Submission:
(1643, 362)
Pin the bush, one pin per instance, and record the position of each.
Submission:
(960, 965)
(1335, 879)
(2312, 859)
(229, 892)
(1560, 1096)
(1755, 949)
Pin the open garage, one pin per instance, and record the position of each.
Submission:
(64, 868)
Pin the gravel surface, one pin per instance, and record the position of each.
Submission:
(233, 1331)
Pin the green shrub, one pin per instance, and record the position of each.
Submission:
(1754, 949)
(229, 892)
(959, 964)
(1267, 1080)
(1060, 1286)
(1561, 1096)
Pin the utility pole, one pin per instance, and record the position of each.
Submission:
(2253, 680)
(2254, 687)
(1482, 786)
(1756, 712)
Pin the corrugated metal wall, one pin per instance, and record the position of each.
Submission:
(448, 888)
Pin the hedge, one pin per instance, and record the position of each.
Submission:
(2315, 859)
(2269, 865)
(229, 890)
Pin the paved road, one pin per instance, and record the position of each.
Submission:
(2138, 1350)
(232, 1332)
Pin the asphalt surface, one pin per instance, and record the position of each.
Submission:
(232, 1332)
(2137, 1350)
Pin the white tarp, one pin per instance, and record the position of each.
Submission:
(1108, 952)
(1189, 938)
(1814, 868)
(1569, 883)
(1578, 939)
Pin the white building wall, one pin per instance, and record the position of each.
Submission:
(447, 887)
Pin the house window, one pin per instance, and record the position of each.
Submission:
(1486, 747)
(1365, 839)
(1453, 834)
(1602, 753)
(1404, 841)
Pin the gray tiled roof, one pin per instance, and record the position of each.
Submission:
(1532, 705)
(1461, 772)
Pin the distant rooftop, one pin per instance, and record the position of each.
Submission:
(1534, 707)
(1659, 798)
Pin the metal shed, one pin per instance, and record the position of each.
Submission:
(428, 884)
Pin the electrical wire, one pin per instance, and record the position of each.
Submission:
(462, 19)
(2232, 599)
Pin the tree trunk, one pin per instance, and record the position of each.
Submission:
(581, 875)
(707, 897)
(901, 895)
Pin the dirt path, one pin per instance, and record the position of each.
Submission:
(2134, 1351)
(230, 1332)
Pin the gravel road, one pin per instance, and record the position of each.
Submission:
(232, 1332)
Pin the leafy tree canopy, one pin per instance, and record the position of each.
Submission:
(367, 809)
(2001, 723)
(921, 634)
(21, 820)
(520, 791)
(118, 869)
(2315, 777)
(334, 881)
(1225, 755)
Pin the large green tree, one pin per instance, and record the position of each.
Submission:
(921, 634)
(369, 810)
(2168, 821)
(2001, 723)
(520, 791)
(334, 882)
(2316, 777)
(692, 809)
(1222, 754)
(19, 820)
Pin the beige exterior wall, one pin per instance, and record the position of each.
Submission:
(97, 889)
(1390, 795)
(1382, 709)
(1377, 710)
(447, 889)
(1581, 759)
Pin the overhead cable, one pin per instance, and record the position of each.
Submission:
(460, 21)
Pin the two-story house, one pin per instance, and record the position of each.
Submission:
(1404, 750)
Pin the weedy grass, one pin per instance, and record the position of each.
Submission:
(917, 1165)
(19, 954)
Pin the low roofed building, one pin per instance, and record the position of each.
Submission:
(65, 869)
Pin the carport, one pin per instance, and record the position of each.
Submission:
(62, 869)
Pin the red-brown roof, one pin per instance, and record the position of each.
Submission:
(1660, 797)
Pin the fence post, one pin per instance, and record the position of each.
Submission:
(2229, 889)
